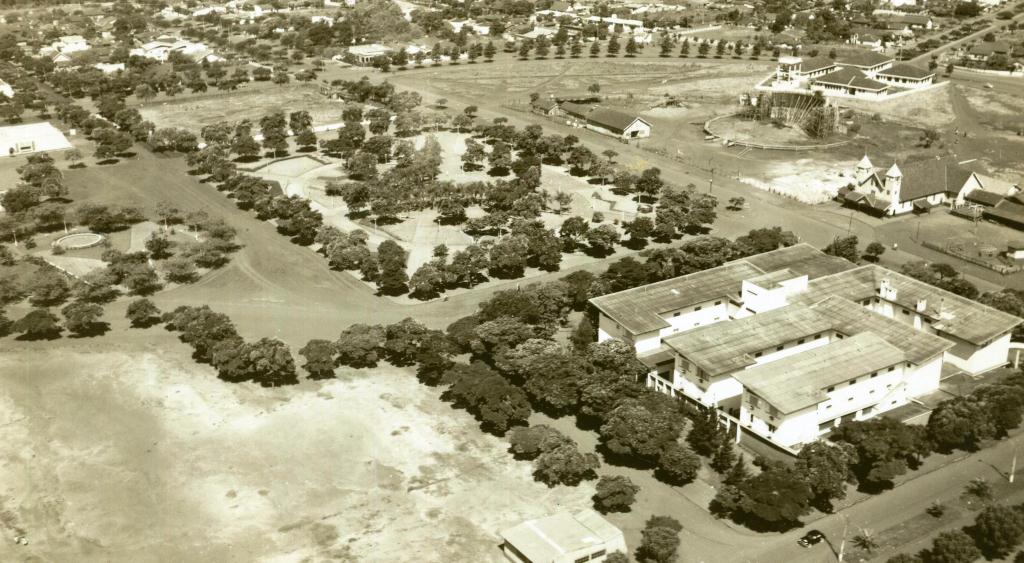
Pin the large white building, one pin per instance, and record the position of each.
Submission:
(791, 343)
(916, 186)
(864, 74)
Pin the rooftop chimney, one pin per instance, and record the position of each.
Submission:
(922, 304)
(886, 290)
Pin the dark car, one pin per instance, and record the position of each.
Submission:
(811, 538)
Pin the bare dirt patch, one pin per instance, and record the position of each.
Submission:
(144, 456)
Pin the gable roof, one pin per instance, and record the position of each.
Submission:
(984, 197)
(613, 119)
(903, 70)
(799, 381)
(863, 59)
(814, 64)
(545, 105)
(927, 177)
(851, 77)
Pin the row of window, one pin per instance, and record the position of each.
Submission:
(695, 309)
(595, 555)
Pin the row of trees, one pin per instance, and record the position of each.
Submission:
(997, 530)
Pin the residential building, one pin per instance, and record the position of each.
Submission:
(33, 137)
(607, 120)
(906, 76)
(563, 538)
(791, 343)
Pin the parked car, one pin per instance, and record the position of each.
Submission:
(813, 537)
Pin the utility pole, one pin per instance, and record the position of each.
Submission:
(1013, 466)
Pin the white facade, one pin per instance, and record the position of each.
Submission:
(6, 89)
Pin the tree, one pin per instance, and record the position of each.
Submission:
(979, 488)
(614, 493)
(142, 313)
(639, 230)
(677, 464)
(954, 546)
(110, 142)
(757, 241)
(267, 361)
(81, 317)
(874, 251)
(584, 335)
(865, 540)
(360, 345)
(565, 465)
(738, 474)
(158, 246)
(393, 277)
(844, 247)
(631, 47)
(612, 49)
(243, 143)
(632, 429)
(145, 92)
(602, 239)
(427, 281)
(997, 530)
(37, 324)
(659, 540)
(529, 442)
(319, 356)
(775, 499)
(49, 287)
(828, 470)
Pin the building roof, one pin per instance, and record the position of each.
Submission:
(612, 119)
(549, 538)
(950, 313)
(851, 319)
(927, 177)
(864, 59)
(903, 70)
(639, 309)
(545, 105)
(725, 347)
(772, 280)
(799, 381)
(851, 77)
(984, 197)
(370, 49)
(1007, 212)
(574, 109)
(801, 259)
(814, 64)
(986, 48)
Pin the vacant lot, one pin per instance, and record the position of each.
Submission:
(133, 455)
(194, 113)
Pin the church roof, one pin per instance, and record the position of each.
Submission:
(865, 163)
(894, 172)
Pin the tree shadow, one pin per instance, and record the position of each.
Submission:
(77, 165)
(245, 159)
(93, 330)
(127, 154)
(306, 149)
(362, 214)
(146, 323)
(623, 460)
(35, 336)
(107, 161)
(634, 244)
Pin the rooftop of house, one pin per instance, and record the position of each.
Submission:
(548, 538)
(639, 309)
(772, 279)
(984, 197)
(951, 314)
(864, 59)
(903, 70)
(927, 177)
(369, 49)
(799, 381)
(613, 119)
(851, 77)
(545, 105)
(728, 346)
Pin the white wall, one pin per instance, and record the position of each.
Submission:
(924, 379)
(974, 359)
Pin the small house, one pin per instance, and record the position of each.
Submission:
(563, 538)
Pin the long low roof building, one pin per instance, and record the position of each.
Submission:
(32, 137)
(799, 381)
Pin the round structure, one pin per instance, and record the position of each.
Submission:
(78, 241)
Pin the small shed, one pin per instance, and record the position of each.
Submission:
(563, 538)
(1015, 250)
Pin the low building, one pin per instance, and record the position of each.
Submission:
(849, 82)
(607, 120)
(904, 75)
(916, 186)
(563, 538)
(366, 54)
(33, 137)
(547, 107)
(791, 343)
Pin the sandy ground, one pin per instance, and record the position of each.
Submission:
(140, 455)
(806, 180)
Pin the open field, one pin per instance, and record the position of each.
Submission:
(193, 113)
(149, 447)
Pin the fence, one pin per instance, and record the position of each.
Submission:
(765, 146)
(998, 268)
(1008, 73)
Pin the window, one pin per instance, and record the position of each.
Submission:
(828, 407)
(779, 347)
(598, 553)
(583, 559)
(906, 312)
(831, 389)
(849, 399)
(871, 392)
(772, 428)
(697, 308)
(799, 342)
(892, 368)
(874, 374)
(852, 381)
(718, 302)
(839, 336)
(757, 355)
(676, 314)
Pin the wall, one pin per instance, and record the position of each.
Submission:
(924, 379)
(974, 359)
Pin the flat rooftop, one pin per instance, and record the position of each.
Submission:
(729, 346)
(549, 538)
(799, 381)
